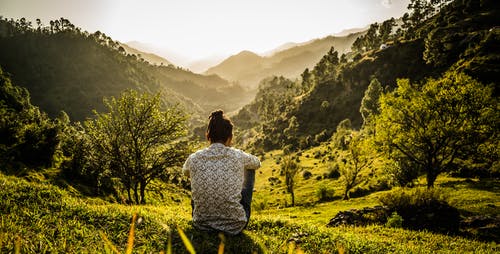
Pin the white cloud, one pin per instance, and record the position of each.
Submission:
(387, 3)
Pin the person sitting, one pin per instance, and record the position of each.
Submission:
(222, 180)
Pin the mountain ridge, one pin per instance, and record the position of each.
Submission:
(290, 62)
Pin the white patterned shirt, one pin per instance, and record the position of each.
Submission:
(216, 182)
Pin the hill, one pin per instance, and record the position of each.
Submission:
(248, 68)
(458, 38)
(149, 57)
(66, 69)
(44, 214)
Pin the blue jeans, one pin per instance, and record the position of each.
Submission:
(246, 192)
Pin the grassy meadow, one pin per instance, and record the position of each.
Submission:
(41, 214)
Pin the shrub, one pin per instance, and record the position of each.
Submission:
(333, 171)
(323, 193)
(423, 209)
(394, 221)
(306, 174)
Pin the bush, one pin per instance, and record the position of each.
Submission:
(404, 173)
(306, 174)
(333, 172)
(323, 193)
(394, 221)
(423, 209)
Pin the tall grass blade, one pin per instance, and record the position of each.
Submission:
(222, 243)
(130, 242)
(186, 241)
(169, 246)
(291, 247)
(109, 243)
(17, 245)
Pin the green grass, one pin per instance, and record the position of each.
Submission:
(41, 217)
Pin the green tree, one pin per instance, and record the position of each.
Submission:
(353, 161)
(370, 105)
(433, 125)
(290, 168)
(28, 137)
(137, 141)
(342, 135)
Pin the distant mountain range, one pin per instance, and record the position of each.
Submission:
(289, 60)
(66, 69)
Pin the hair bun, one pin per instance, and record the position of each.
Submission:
(216, 114)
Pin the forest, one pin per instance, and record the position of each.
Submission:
(389, 147)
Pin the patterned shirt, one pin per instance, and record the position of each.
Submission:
(216, 182)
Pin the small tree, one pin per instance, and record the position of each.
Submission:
(136, 141)
(436, 124)
(353, 161)
(290, 168)
(370, 105)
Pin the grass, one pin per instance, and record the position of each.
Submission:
(38, 217)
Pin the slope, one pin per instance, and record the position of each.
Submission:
(461, 38)
(66, 69)
(248, 68)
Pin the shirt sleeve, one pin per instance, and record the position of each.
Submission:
(186, 169)
(250, 161)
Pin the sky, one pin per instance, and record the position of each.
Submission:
(197, 29)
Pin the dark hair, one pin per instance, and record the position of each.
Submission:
(220, 128)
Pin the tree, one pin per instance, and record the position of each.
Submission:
(290, 168)
(28, 137)
(342, 135)
(437, 123)
(370, 105)
(385, 29)
(137, 141)
(354, 160)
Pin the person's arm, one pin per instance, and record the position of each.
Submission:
(186, 169)
(250, 161)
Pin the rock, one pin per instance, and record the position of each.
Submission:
(360, 217)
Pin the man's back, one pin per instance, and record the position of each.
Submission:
(216, 184)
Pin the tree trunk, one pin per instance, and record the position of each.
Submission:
(136, 193)
(129, 196)
(293, 198)
(346, 194)
(431, 176)
(143, 190)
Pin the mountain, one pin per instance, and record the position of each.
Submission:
(346, 32)
(461, 38)
(248, 68)
(202, 65)
(150, 57)
(65, 69)
(162, 51)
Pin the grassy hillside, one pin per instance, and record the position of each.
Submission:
(248, 68)
(41, 213)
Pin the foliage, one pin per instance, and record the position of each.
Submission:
(435, 124)
(423, 209)
(65, 68)
(370, 105)
(28, 137)
(136, 141)
(394, 221)
(290, 168)
(324, 193)
(352, 162)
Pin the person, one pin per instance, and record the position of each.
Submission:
(222, 180)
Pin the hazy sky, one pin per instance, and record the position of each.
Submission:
(203, 28)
